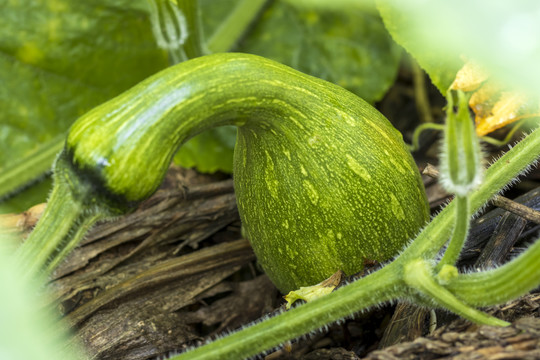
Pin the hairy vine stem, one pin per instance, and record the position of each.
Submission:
(72, 209)
(503, 284)
(459, 235)
(269, 333)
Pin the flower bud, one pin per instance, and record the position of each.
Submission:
(461, 160)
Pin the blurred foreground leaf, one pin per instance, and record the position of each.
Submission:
(500, 35)
(28, 329)
(440, 67)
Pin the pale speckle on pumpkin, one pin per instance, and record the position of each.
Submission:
(287, 153)
(313, 141)
(311, 191)
(285, 224)
(397, 210)
(357, 168)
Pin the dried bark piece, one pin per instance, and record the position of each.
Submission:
(499, 245)
(248, 300)
(407, 323)
(221, 257)
(330, 354)
(20, 225)
(519, 341)
(143, 316)
(128, 294)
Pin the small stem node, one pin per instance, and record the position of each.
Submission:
(418, 275)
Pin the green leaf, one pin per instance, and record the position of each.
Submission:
(214, 13)
(440, 67)
(36, 193)
(59, 59)
(210, 151)
(350, 48)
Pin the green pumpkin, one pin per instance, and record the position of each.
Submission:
(323, 181)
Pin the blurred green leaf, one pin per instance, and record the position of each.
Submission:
(441, 67)
(364, 5)
(29, 328)
(502, 36)
(350, 48)
(214, 13)
(60, 58)
(210, 151)
(36, 193)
